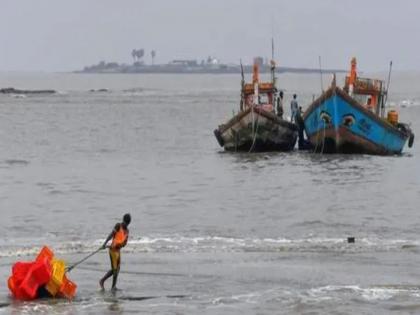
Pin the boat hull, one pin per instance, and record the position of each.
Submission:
(336, 123)
(257, 130)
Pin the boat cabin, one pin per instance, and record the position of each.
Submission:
(258, 93)
(368, 92)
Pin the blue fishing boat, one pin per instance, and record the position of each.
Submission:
(351, 120)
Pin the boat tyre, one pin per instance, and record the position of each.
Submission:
(219, 138)
(411, 140)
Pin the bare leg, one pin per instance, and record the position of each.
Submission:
(116, 271)
(108, 274)
(115, 278)
(105, 277)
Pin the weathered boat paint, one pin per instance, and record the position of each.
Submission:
(256, 127)
(257, 130)
(337, 123)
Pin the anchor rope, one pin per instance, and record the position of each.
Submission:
(317, 133)
(254, 132)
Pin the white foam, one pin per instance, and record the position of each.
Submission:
(374, 293)
(180, 243)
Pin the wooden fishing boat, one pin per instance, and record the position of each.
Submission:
(351, 120)
(256, 127)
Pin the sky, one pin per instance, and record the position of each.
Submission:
(66, 35)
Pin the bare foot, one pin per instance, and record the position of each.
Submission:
(101, 284)
(114, 289)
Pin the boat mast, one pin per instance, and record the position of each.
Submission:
(241, 105)
(273, 73)
(255, 82)
(387, 89)
(353, 76)
(273, 64)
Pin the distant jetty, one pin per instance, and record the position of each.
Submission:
(211, 65)
(11, 90)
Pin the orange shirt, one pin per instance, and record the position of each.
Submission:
(120, 237)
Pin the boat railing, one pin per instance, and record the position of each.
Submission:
(366, 85)
(262, 87)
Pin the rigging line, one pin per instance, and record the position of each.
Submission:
(323, 136)
(253, 122)
(256, 132)
(336, 123)
(145, 273)
(129, 272)
(317, 132)
(387, 85)
(323, 139)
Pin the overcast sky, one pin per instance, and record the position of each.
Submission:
(58, 35)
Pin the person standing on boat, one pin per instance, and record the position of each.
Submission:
(279, 106)
(294, 107)
(119, 236)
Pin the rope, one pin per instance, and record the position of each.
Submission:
(336, 120)
(68, 269)
(323, 140)
(236, 141)
(256, 130)
(317, 134)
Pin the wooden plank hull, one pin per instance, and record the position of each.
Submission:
(336, 123)
(256, 130)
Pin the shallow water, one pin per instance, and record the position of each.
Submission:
(212, 232)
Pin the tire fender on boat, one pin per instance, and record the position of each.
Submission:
(411, 140)
(219, 138)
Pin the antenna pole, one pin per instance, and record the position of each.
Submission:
(273, 74)
(241, 105)
(272, 48)
(273, 63)
(320, 74)
(387, 87)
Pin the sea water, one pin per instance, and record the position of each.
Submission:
(212, 232)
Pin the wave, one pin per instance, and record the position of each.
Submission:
(135, 89)
(369, 293)
(65, 248)
(18, 95)
(405, 103)
(409, 103)
(209, 244)
(328, 293)
(230, 244)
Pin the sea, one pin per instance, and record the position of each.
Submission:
(212, 232)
